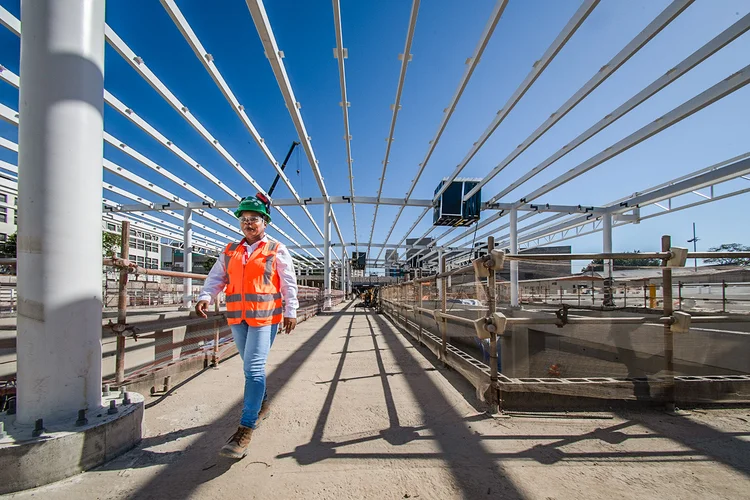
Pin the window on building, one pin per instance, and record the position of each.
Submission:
(139, 260)
(139, 244)
(15, 200)
(3, 198)
(111, 227)
(132, 242)
(3, 237)
(3, 214)
(15, 218)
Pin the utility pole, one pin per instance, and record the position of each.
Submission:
(694, 241)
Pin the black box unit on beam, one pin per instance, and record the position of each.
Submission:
(451, 210)
(358, 260)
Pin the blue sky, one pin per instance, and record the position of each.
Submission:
(445, 35)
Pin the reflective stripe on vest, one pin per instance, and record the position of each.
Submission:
(272, 246)
(260, 313)
(254, 297)
(230, 248)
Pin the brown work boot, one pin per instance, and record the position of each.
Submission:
(265, 411)
(237, 445)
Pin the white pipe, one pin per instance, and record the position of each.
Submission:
(340, 54)
(608, 263)
(343, 270)
(327, 257)
(607, 241)
(441, 269)
(396, 106)
(513, 263)
(187, 257)
(60, 155)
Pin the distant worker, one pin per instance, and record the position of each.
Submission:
(257, 273)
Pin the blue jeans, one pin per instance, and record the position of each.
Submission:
(253, 344)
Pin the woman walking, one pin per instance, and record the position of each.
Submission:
(259, 277)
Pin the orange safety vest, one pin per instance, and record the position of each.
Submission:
(254, 287)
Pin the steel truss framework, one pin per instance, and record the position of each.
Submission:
(562, 222)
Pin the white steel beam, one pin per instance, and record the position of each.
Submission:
(706, 98)
(710, 176)
(405, 58)
(648, 33)
(513, 263)
(340, 53)
(208, 63)
(700, 55)
(704, 179)
(13, 24)
(537, 69)
(143, 183)
(338, 200)
(274, 55)
(471, 64)
(5, 143)
(10, 21)
(140, 67)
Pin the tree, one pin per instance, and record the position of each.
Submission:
(598, 264)
(110, 242)
(8, 248)
(209, 263)
(729, 261)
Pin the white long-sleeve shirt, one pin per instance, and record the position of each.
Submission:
(217, 278)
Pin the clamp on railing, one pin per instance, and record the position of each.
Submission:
(493, 260)
(121, 329)
(562, 315)
(493, 323)
(680, 322)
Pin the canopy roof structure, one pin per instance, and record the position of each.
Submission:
(544, 222)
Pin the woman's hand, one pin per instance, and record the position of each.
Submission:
(201, 307)
(289, 324)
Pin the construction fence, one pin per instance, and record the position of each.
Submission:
(152, 349)
(551, 351)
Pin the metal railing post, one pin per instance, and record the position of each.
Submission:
(122, 304)
(723, 296)
(494, 396)
(418, 300)
(669, 393)
(215, 360)
(443, 308)
(443, 291)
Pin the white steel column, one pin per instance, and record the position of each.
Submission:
(349, 274)
(327, 256)
(441, 269)
(513, 250)
(608, 263)
(60, 188)
(187, 257)
(343, 270)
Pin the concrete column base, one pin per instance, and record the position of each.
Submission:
(65, 449)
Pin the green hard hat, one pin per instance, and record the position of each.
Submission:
(252, 204)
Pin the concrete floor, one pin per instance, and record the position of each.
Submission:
(361, 412)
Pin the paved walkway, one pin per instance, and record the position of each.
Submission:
(359, 411)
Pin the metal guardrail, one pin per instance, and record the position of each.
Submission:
(395, 298)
